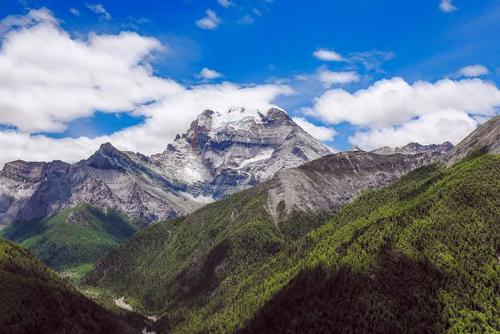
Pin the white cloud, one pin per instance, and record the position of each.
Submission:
(74, 11)
(322, 133)
(31, 18)
(48, 78)
(447, 6)
(209, 74)
(225, 3)
(393, 112)
(327, 55)
(329, 78)
(209, 22)
(473, 71)
(99, 10)
(433, 128)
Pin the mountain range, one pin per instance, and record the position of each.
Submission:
(377, 264)
(222, 152)
(68, 214)
(246, 223)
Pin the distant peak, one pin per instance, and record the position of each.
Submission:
(107, 148)
(355, 149)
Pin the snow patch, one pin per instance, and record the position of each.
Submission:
(264, 155)
(198, 199)
(191, 174)
(237, 118)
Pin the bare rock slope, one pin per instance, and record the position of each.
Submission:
(222, 152)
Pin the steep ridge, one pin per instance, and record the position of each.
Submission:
(326, 184)
(485, 139)
(176, 267)
(35, 300)
(221, 153)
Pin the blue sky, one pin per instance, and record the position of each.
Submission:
(258, 42)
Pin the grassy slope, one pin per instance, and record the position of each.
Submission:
(419, 256)
(35, 300)
(63, 242)
(178, 265)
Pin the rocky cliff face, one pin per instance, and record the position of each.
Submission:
(222, 152)
(486, 138)
(225, 152)
(326, 184)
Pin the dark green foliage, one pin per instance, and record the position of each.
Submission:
(419, 256)
(35, 300)
(178, 266)
(398, 292)
(72, 237)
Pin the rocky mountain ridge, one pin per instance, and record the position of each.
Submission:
(414, 148)
(222, 152)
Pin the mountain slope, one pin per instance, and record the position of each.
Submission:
(179, 265)
(486, 139)
(215, 269)
(74, 236)
(420, 256)
(35, 300)
(222, 152)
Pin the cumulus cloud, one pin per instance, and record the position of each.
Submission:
(225, 3)
(422, 111)
(473, 71)
(48, 79)
(209, 74)
(322, 133)
(433, 128)
(329, 78)
(31, 18)
(327, 55)
(209, 22)
(99, 10)
(447, 6)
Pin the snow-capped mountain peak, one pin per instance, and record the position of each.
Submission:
(221, 152)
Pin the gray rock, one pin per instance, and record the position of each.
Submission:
(326, 184)
(414, 148)
(222, 152)
(485, 138)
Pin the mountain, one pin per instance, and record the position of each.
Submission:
(328, 183)
(410, 258)
(414, 148)
(222, 152)
(225, 152)
(485, 139)
(392, 260)
(35, 300)
(72, 237)
(182, 264)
